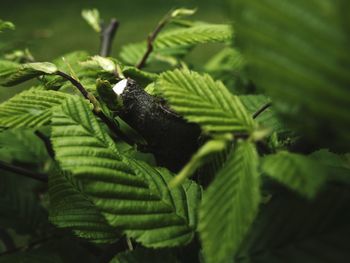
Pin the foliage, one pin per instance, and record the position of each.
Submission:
(309, 41)
(263, 124)
(234, 210)
(6, 25)
(207, 102)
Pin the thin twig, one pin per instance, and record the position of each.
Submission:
(47, 143)
(261, 110)
(115, 128)
(150, 40)
(107, 36)
(21, 171)
(97, 110)
(82, 90)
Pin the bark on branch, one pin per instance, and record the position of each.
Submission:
(170, 138)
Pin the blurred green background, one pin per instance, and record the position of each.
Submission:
(52, 28)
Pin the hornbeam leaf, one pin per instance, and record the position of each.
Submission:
(230, 205)
(268, 118)
(337, 166)
(211, 147)
(132, 196)
(140, 255)
(92, 17)
(298, 51)
(207, 102)
(7, 68)
(100, 62)
(292, 230)
(6, 25)
(30, 109)
(177, 41)
(69, 208)
(198, 34)
(180, 12)
(298, 172)
(20, 208)
(52, 249)
(12, 73)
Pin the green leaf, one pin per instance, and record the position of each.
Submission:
(132, 53)
(211, 147)
(145, 255)
(71, 60)
(297, 172)
(12, 73)
(173, 42)
(230, 204)
(100, 62)
(19, 56)
(207, 172)
(268, 118)
(92, 17)
(52, 250)
(20, 207)
(202, 100)
(107, 95)
(69, 208)
(133, 196)
(298, 52)
(7, 68)
(143, 78)
(289, 229)
(6, 25)
(227, 60)
(30, 109)
(22, 147)
(198, 34)
(337, 166)
(71, 63)
(180, 12)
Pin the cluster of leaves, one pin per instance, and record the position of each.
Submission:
(270, 179)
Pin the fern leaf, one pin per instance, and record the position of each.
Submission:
(30, 109)
(298, 52)
(300, 173)
(202, 100)
(133, 197)
(230, 204)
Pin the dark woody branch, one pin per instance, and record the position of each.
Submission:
(107, 37)
(169, 137)
(21, 171)
(97, 110)
(150, 40)
(262, 109)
